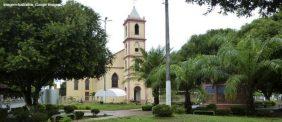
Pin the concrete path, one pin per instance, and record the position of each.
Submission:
(115, 114)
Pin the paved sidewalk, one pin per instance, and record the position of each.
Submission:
(115, 114)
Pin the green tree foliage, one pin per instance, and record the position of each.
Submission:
(245, 60)
(144, 66)
(188, 78)
(206, 44)
(242, 7)
(39, 44)
(265, 29)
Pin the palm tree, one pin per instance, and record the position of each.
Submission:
(187, 75)
(144, 66)
(244, 61)
(191, 73)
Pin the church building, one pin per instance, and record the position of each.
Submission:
(120, 73)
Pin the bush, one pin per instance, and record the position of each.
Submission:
(39, 117)
(162, 111)
(69, 108)
(178, 103)
(211, 107)
(203, 112)
(88, 108)
(3, 114)
(50, 106)
(259, 104)
(178, 109)
(95, 111)
(52, 110)
(264, 113)
(147, 107)
(200, 108)
(270, 103)
(21, 114)
(60, 106)
(41, 108)
(264, 103)
(222, 112)
(65, 119)
(78, 115)
(238, 110)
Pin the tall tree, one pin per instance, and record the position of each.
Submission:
(39, 44)
(244, 62)
(265, 29)
(145, 65)
(188, 78)
(242, 7)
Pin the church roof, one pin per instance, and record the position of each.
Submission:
(134, 14)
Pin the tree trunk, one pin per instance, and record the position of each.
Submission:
(188, 105)
(267, 93)
(156, 95)
(36, 95)
(250, 100)
(27, 95)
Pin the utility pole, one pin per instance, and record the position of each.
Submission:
(168, 83)
(105, 26)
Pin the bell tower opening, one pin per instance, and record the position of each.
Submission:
(136, 28)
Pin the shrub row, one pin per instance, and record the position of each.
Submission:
(24, 115)
(264, 103)
(175, 108)
(42, 113)
(235, 110)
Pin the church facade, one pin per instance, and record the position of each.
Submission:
(119, 73)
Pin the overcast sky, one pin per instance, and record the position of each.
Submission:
(185, 20)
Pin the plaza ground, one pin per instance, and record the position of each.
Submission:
(192, 118)
(83, 106)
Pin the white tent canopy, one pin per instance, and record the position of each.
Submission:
(114, 92)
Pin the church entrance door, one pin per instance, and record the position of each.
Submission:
(137, 94)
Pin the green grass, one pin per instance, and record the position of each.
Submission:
(82, 106)
(193, 118)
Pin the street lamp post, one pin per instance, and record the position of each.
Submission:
(168, 83)
(105, 26)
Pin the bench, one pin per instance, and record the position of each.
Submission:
(204, 111)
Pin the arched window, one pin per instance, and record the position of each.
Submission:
(75, 85)
(115, 80)
(87, 84)
(136, 29)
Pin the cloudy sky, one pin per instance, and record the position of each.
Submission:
(185, 20)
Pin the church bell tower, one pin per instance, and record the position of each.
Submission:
(134, 41)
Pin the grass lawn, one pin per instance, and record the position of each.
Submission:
(107, 106)
(193, 118)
